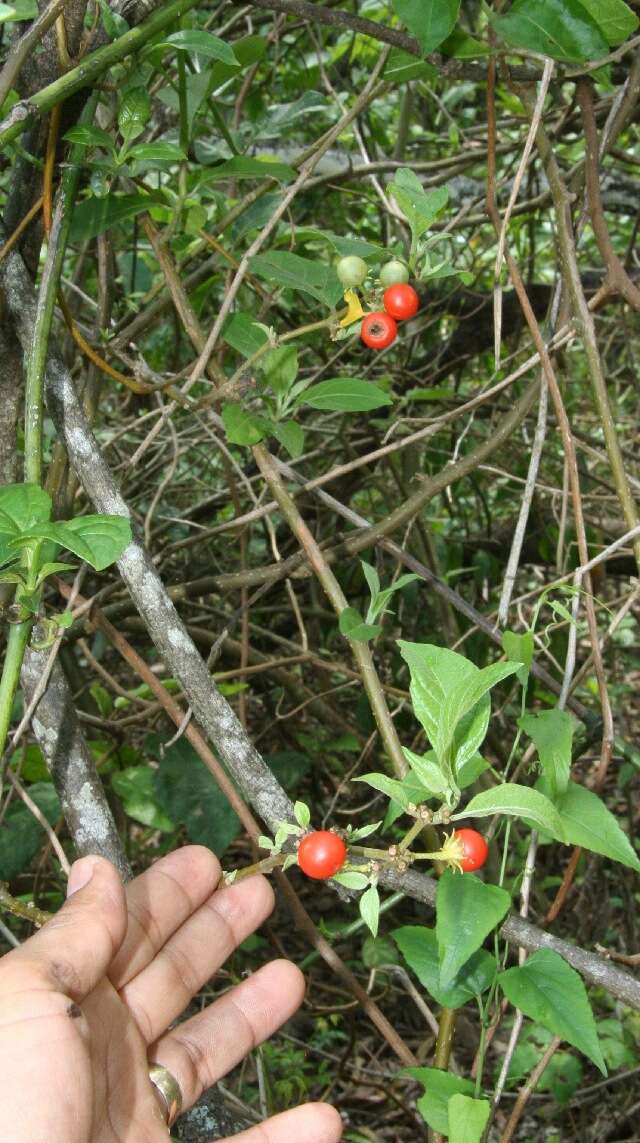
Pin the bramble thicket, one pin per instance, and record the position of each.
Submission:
(319, 531)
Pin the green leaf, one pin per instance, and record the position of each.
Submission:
(377, 951)
(427, 771)
(562, 29)
(381, 598)
(460, 46)
(282, 116)
(243, 428)
(21, 10)
(254, 217)
(471, 770)
(450, 698)
(440, 1087)
(160, 152)
(370, 909)
(280, 368)
(12, 577)
(430, 21)
(615, 19)
(134, 112)
(194, 41)
(93, 216)
(517, 801)
(248, 50)
(550, 992)
(420, 207)
(586, 821)
(467, 910)
(21, 506)
(552, 733)
(289, 767)
(389, 786)
(134, 786)
(519, 649)
(364, 831)
(353, 626)
(22, 835)
(52, 568)
(419, 947)
(296, 273)
(344, 394)
(114, 24)
(244, 167)
(401, 67)
(372, 578)
(302, 814)
(106, 537)
(99, 540)
(355, 881)
(189, 795)
(245, 334)
(345, 246)
(30, 763)
(468, 1118)
(89, 136)
(291, 437)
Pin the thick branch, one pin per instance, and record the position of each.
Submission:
(595, 969)
(73, 770)
(214, 713)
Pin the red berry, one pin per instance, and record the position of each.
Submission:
(401, 301)
(321, 854)
(378, 330)
(474, 849)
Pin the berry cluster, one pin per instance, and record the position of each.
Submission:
(399, 300)
(323, 853)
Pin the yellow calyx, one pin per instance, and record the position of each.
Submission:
(354, 308)
(451, 854)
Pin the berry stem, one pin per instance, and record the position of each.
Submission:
(267, 865)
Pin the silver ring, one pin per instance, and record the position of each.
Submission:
(168, 1089)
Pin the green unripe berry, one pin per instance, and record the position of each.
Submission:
(393, 273)
(352, 271)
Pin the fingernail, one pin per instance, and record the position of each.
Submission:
(80, 874)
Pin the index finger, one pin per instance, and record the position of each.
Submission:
(72, 952)
(159, 901)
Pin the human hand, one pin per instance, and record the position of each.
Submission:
(86, 1002)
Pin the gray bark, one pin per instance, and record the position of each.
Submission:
(71, 765)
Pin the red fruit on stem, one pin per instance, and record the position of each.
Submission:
(401, 301)
(474, 849)
(321, 854)
(378, 330)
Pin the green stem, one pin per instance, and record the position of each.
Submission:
(16, 643)
(446, 1030)
(47, 295)
(267, 865)
(184, 137)
(34, 407)
(361, 651)
(410, 835)
(20, 909)
(91, 68)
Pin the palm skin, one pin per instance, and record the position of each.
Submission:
(85, 1005)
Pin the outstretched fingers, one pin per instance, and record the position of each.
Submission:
(73, 951)
(208, 1045)
(313, 1123)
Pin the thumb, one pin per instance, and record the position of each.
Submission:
(72, 952)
